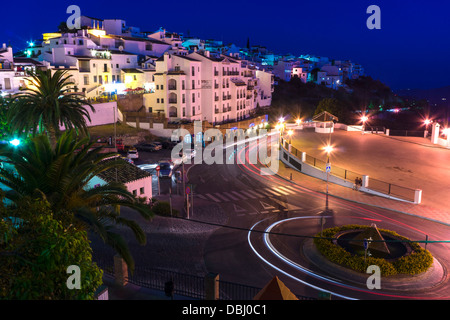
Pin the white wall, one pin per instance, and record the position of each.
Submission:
(145, 183)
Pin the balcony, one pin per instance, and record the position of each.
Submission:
(229, 108)
(216, 86)
(229, 97)
(173, 101)
(216, 73)
(216, 98)
(216, 111)
(224, 97)
(172, 87)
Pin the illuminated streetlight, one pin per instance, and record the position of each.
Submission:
(427, 122)
(328, 149)
(446, 131)
(15, 142)
(290, 133)
(298, 121)
(364, 119)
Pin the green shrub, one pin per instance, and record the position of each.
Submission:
(162, 208)
(417, 262)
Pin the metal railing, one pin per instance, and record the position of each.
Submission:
(394, 190)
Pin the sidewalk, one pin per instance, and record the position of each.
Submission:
(435, 213)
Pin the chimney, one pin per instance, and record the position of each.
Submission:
(207, 53)
(4, 46)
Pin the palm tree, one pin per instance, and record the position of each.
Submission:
(48, 104)
(61, 175)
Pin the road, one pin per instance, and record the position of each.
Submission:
(253, 201)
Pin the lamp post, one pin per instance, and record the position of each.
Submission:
(427, 122)
(290, 133)
(328, 149)
(364, 119)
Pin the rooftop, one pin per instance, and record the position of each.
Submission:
(127, 172)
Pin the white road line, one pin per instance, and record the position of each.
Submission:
(291, 188)
(258, 195)
(248, 194)
(228, 194)
(282, 191)
(265, 193)
(272, 191)
(239, 195)
(221, 196)
(286, 189)
(212, 197)
(202, 196)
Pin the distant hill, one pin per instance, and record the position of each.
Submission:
(434, 96)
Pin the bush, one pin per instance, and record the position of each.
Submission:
(417, 262)
(162, 208)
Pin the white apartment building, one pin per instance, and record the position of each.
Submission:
(13, 70)
(202, 86)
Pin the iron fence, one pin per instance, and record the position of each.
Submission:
(407, 133)
(404, 193)
(183, 284)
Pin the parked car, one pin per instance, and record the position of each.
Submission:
(132, 153)
(165, 169)
(145, 147)
(157, 144)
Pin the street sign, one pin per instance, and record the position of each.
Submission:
(158, 168)
(366, 244)
(188, 190)
(328, 167)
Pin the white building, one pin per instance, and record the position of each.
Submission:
(202, 86)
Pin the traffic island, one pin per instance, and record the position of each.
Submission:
(343, 253)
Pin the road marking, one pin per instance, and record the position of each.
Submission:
(258, 195)
(266, 205)
(291, 188)
(239, 195)
(287, 190)
(278, 189)
(221, 196)
(212, 197)
(202, 196)
(248, 194)
(272, 191)
(238, 208)
(228, 194)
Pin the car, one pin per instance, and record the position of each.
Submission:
(165, 169)
(132, 153)
(145, 147)
(157, 144)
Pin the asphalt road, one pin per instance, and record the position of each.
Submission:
(253, 201)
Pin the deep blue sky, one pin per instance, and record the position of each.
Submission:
(410, 51)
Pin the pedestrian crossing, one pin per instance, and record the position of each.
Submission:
(230, 196)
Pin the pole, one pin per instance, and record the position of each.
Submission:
(192, 201)
(170, 200)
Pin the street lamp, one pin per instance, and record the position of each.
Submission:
(328, 149)
(364, 119)
(298, 122)
(290, 133)
(427, 122)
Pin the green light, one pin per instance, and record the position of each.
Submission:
(15, 142)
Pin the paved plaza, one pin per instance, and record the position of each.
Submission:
(405, 161)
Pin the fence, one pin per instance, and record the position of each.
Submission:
(188, 285)
(407, 133)
(392, 189)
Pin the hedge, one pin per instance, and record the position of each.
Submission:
(417, 262)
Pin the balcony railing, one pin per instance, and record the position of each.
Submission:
(172, 87)
(172, 100)
(216, 98)
(216, 110)
(216, 86)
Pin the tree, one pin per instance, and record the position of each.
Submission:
(37, 251)
(48, 104)
(61, 175)
(5, 128)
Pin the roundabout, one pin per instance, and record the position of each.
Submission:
(300, 257)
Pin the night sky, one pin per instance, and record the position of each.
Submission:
(411, 49)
